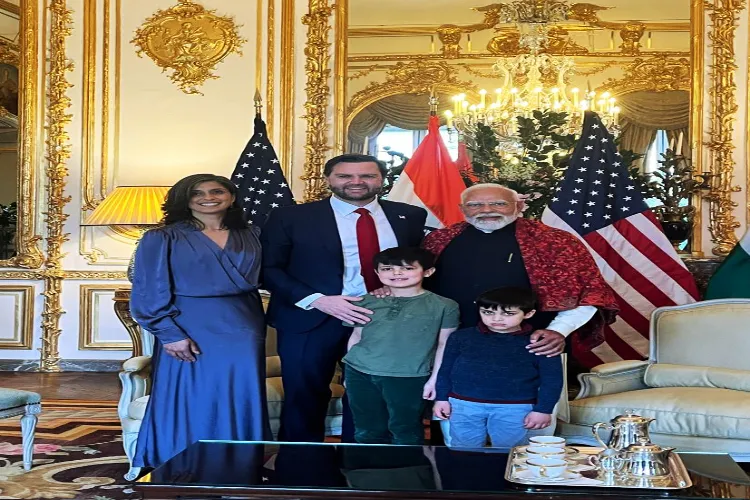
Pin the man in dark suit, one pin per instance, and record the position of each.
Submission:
(317, 262)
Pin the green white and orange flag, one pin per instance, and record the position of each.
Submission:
(732, 278)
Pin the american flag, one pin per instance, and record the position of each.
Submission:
(598, 202)
(259, 179)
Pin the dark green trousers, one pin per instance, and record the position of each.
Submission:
(386, 410)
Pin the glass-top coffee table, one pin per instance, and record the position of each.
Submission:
(216, 469)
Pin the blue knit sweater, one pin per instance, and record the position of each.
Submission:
(497, 368)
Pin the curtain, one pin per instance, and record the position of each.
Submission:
(406, 111)
(643, 113)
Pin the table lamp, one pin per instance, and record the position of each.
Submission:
(129, 210)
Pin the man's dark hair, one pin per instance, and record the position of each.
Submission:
(354, 158)
(401, 256)
(507, 297)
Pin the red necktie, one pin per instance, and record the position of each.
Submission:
(367, 241)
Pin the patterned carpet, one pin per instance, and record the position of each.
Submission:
(77, 454)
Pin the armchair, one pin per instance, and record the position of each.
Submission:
(696, 382)
(136, 377)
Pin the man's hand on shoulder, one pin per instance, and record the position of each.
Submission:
(535, 420)
(341, 307)
(547, 343)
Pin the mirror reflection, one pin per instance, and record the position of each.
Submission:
(627, 59)
(9, 105)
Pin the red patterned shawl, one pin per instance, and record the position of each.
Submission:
(561, 271)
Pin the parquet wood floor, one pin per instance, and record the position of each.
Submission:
(81, 386)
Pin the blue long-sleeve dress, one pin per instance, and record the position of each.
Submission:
(186, 286)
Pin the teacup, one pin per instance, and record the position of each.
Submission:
(553, 441)
(545, 452)
(546, 467)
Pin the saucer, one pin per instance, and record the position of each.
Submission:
(526, 475)
(569, 450)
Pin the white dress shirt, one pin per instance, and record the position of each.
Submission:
(346, 222)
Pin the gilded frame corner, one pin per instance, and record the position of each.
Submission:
(26, 317)
(86, 310)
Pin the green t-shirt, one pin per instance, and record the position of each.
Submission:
(401, 338)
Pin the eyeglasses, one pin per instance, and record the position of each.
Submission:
(476, 205)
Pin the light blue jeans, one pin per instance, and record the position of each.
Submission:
(470, 423)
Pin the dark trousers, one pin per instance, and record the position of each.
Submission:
(308, 362)
(386, 410)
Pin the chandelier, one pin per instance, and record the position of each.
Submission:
(531, 82)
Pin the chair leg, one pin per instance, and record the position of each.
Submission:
(28, 428)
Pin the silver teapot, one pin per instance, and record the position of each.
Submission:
(626, 430)
(645, 459)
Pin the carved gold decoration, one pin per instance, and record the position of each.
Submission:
(585, 12)
(58, 152)
(318, 93)
(270, 65)
(24, 316)
(417, 77)
(122, 310)
(286, 89)
(656, 74)
(450, 36)
(189, 41)
(28, 255)
(373, 58)
(697, 15)
(722, 222)
(631, 35)
(70, 275)
(339, 75)
(9, 53)
(87, 313)
(558, 43)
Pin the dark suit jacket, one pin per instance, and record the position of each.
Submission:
(302, 255)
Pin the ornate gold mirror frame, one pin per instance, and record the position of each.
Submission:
(28, 255)
(723, 15)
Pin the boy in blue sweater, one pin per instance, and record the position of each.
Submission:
(489, 383)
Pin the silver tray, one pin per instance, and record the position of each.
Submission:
(678, 478)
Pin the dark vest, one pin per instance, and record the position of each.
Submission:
(475, 262)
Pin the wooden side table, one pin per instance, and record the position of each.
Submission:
(122, 310)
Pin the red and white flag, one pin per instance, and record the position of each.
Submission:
(431, 180)
(598, 202)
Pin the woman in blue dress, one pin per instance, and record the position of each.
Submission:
(195, 288)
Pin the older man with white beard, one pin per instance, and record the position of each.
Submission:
(496, 248)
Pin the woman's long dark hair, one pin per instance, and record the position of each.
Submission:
(176, 206)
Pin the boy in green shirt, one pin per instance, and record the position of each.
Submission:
(392, 361)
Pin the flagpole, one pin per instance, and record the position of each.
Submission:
(258, 102)
(433, 105)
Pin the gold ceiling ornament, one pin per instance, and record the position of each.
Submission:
(28, 253)
(722, 222)
(631, 35)
(416, 77)
(318, 90)
(655, 74)
(189, 41)
(508, 43)
(57, 154)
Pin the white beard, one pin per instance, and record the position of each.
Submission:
(491, 226)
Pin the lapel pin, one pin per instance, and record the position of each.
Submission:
(402, 217)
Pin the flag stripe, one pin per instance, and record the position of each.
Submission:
(605, 354)
(404, 192)
(637, 249)
(620, 345)
(672, 274)
(630, 274)
(635, 339)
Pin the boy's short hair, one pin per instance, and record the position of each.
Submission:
(507, 297)
(399, 256)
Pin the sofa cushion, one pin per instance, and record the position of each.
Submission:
(137, 408)
(12, 398)
(667, 375)
(685, 411)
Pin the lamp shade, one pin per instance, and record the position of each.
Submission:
(130, 206)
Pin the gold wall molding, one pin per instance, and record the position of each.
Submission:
(370, 58)
(339, 76)
(697, 62)
(318, 72)
(724, 15)
(188, 41)
(286, 89)
(28, 254)
(270, 66)
(416, 77)
(656, 74)
(89, 296)
(24, 316)
(58, 153)
(65, 274)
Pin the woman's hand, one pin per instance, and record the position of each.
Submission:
(183, 350)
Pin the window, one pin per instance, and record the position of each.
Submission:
(406, 142)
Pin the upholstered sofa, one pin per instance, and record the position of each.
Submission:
(696, 382)
(135, 378)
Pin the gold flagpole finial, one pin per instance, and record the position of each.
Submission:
(258, 102)
(433, 104)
